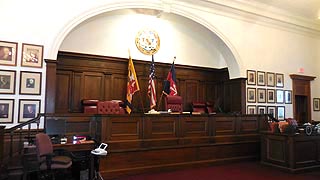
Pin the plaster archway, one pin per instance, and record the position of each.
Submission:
(227, 50)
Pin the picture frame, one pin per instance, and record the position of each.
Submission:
(261, 95)
(280, 96)
(30, 83)
(271, 96)
(6, 110)
(261, 78)
(251, 95)
(316, 104)
(271, 110)
(251, 109)
(32, 55)
(251, 77)
(261, 109)
(288, 96)
(281, 112)
(279, 80)
(7, 82)
(28, 109)
(270, 79)
(8, 53)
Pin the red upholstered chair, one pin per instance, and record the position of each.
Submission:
(46, 158)
(90, 106)
(174, 103)
(199, 107)
(109, 107)
(210, 107)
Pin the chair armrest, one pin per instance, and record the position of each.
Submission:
(48, 159)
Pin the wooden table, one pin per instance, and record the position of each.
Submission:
(293, 153)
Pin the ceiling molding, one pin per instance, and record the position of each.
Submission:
(255, 13)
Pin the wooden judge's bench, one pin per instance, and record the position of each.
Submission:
(141, 143)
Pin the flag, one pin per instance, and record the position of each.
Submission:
(152, 86)
(169, 87)
(132, 85)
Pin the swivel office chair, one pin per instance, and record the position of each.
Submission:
(47, 161)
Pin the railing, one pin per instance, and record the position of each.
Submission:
(19, 129)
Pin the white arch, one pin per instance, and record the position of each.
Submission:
(230, 54)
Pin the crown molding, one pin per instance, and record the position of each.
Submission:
(256, 13)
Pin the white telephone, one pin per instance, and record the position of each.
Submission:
(101, 150)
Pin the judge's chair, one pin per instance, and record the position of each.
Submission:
(174, 103)
(199, 107)
(109, 107)
(47, 161)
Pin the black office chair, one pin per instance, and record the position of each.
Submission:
(48, 162)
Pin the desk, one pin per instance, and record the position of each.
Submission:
(293, 153)
(84, 149)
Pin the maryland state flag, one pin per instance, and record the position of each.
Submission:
(169, 87)
(132, 85)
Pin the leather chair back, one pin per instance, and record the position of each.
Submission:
(174, 103)
(109, 107)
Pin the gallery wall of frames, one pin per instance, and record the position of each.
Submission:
(266, 93)
(21, 81)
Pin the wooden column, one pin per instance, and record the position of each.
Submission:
(301, 96)
(50, 86)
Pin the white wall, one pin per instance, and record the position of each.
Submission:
(265, 46)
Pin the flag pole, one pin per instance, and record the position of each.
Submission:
(174, 58)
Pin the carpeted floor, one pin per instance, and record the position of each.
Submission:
(234, 171)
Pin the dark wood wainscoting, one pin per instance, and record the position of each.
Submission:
(83, 76)
(153, 143)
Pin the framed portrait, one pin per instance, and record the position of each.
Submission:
(8, 53)
(7, 82)
(271, 96)
(316, 104)
(251, 109)
(32, 55)
(251, 95)
(28, 109)
(271, 110)
(261, 109)
(30, 83)
(270, 79)
(280, 113)
(279, 80)
(261, 78)
(280, 96)
(6, 110)
(251, 77)
(288, 96)
(261, 95)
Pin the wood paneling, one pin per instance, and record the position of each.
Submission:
(84, 76)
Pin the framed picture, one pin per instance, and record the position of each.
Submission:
(316, 104)
(280, 112)
(32, 55)
(6, 110)
(261, 78)
(251, 109)
(288, 96)
(251, 77)
(30, 83)
(251, 95)
(28, 109)
(271, 96)
(280, 98)
(261, 109)
(270, 79)
(271, 110)
(7, 82)
(8, 53)
(261, 94)
(279, 80)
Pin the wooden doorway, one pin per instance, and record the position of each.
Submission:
(301, 94)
